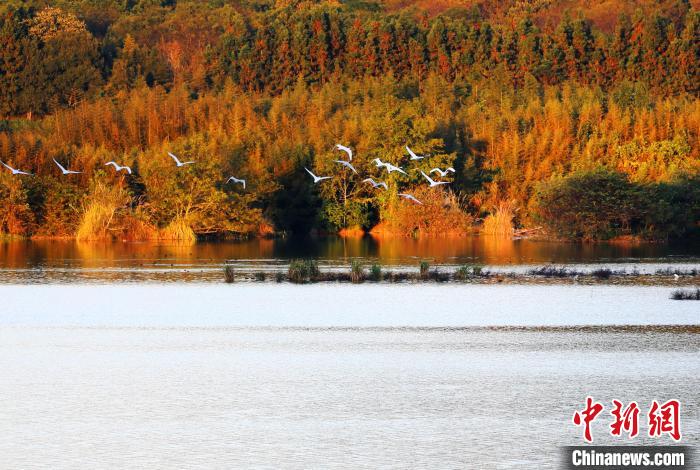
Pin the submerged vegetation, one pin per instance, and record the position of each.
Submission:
(582, 122)
(308, 271)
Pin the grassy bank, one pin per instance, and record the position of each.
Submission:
(309, 272)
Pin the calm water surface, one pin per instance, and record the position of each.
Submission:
(477, 398)
(68, 261)
(114, 374)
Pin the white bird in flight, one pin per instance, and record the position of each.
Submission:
(391, 168)
(443, 172)
(432, 182)
(410, 197)
(347, 164)
(317, 179)
(236, 180)
(119, 167)
(345, 149)
(414, 156)
(374, 183)
(14, 170)
(178, 162)
(64, 171)
(388, 166)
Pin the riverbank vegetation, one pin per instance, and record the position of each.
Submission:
(553, 115)
(307, 271)
(686, 294)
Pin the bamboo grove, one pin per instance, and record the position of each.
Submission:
(587, 132)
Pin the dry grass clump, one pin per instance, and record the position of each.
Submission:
(136, 228)
(178, 230)
(500, 221)
(99, 212)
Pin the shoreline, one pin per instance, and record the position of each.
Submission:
(353, 235)
(443, 275)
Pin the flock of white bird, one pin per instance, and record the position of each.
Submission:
(317, 179)
(389, 168)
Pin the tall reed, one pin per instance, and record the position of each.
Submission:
(178, 230)
(500, 221)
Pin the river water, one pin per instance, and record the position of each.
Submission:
(202, 374)
(69, 261)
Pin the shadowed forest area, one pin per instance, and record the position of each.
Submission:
(581, 120)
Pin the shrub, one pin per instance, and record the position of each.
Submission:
(424, 269)
(602, 273)
(682, 294)
(463, 273)
(357, 272)
(303, 271)
(590, 205)
(603, 204)
(260, 276)
(375, 273)
(671, 209)
(466, 271)
(439, 276)
(229, 274)
(279, 277)
(551, 271)
(442, 213)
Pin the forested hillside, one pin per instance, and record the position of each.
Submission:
(552, 113)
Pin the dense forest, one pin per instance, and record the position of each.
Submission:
(553, 114)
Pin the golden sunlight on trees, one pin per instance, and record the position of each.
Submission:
(521, 107)
(51, 22)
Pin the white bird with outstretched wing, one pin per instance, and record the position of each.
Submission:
(444, 172)
(119, 167)
(432, 182)
(345, 149)
(65, 171)
(14, 170)
(414, 156)
(178, 162)
(236, 180)
(410, 197)
(375, 184)
(317, 179)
